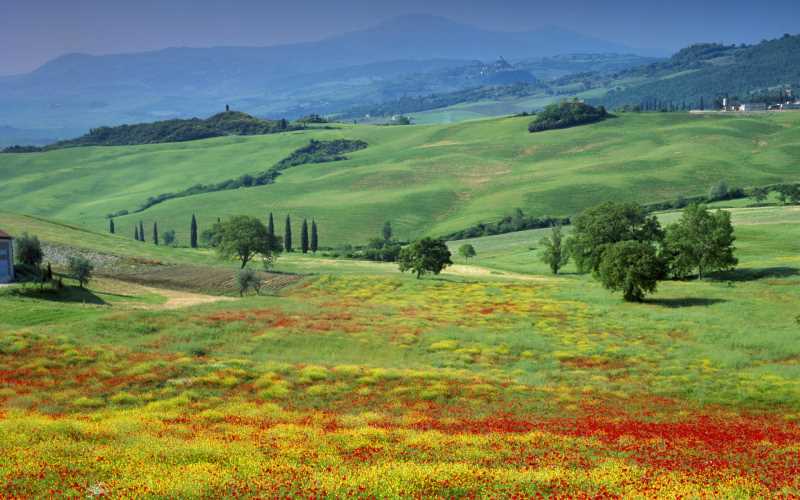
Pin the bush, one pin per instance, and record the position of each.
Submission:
(29, 250)
(247, 279)
(169, 237)
(80, 269)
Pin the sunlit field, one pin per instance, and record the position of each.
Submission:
(380, 385)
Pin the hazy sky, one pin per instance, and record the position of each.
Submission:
(34, 31)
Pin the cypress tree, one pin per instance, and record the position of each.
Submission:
(193, 233)
(155, 233)
(304, 236)
(271, 225)
(136, 233)
(314, 239)
(111, 228)
(141, 231)
(287, 234)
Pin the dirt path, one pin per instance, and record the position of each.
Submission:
(484, 272)
(179, 300)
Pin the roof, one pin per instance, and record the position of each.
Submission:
(4, 235)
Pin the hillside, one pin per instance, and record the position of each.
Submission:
(425, 179)
(81, 91)
(709, 71)
(221, 124)
(704, 72)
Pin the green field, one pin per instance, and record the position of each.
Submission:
(429, 179)
(495, 379)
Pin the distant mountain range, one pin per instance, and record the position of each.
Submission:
(80, 91)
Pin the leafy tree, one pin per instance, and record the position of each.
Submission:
(287, 235)
(632, 267)
(192, 233)
(425, 256)
(244, 238)
(247, 279)
(304, 236)
(314, 237)
(467, 251)
(555, 253)
(29, 250)
(606, 224)
(111, 228)
(718, 191)
(80, 269)
(387, 231)
(169, 237)
(700, 241)
(155, 233)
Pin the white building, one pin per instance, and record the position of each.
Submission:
(6, 258)
(752, 106)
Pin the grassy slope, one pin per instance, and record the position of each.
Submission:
(551, 386)
(426, 179)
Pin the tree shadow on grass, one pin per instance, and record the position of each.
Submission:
(684, 302)
(754, 274)
(67, 295)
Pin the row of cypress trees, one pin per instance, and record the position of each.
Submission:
(307, 243)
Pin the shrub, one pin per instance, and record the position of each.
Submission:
(169, 237)
(29, 250)
(247, 279)
(80, 269)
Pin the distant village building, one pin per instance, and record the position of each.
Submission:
(6, 258)
(750, 107)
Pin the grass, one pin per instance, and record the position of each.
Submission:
(362, 381)
(428, 180)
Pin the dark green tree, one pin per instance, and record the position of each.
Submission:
(555, 254)
(244, 237)
(155, 233)
(193, 233)
(141, 231)
(111, 228)
(29, 250)
(136, 232)
(596, 228)
(387, 231)
(759, 194)
(700, 241)
(314, 237)
(271, 225)
(287, 235)
(425, 256)
(632, 267)
(304, 236)
(169, 237)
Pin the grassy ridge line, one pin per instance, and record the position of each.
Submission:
(428, 180)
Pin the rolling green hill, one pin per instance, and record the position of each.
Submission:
(425, 179)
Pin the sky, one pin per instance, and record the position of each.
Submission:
(35, 31)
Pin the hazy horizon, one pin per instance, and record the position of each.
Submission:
(37, 31)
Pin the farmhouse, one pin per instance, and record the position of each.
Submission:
(6, 258)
